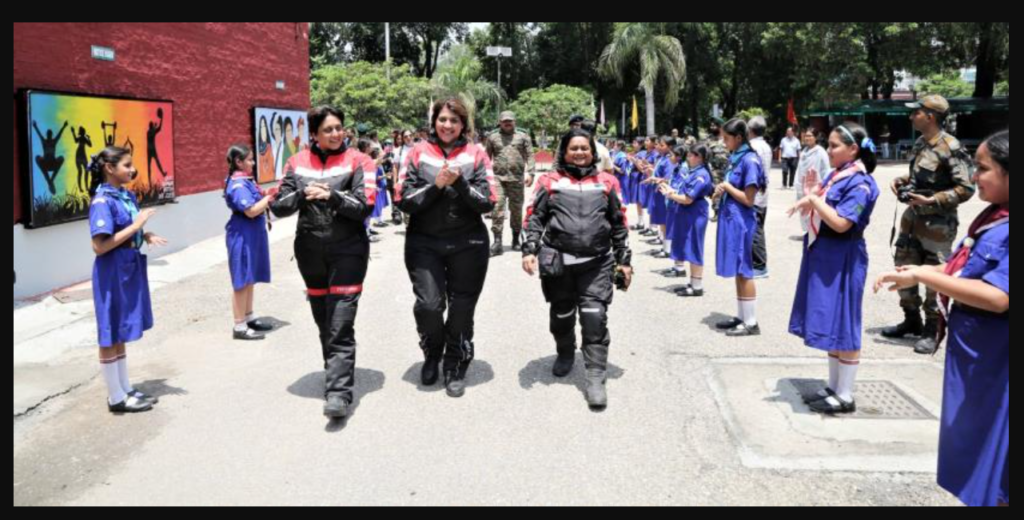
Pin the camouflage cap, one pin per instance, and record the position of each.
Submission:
(933, 102)
(507, 116)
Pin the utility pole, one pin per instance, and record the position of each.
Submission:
(387, 48)
(499, 53)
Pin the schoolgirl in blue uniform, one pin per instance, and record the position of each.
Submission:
(120, 280)
(642, 164)
(974, 440)
(689, 195)
(828, 307)
(649, 185)
(621, 162)
(634, 177)
(383, 199)
(678, 172)
(737, 225)
(657, 206)
(247, 241)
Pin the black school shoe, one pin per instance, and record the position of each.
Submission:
(820, 396)
(690, 292)
(143, 397)
(260, 326)
(833, 406)
(741, 331)
(729, 325)
(130, 405)
(249, 335)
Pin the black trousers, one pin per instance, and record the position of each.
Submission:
(585, 289)
(760, 250)
(334, 275)
(789, 167)
(447, 275)
(396, 214)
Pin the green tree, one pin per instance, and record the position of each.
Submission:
(417, 44)
(1003, 89)
(660, 58)
(460, 74)
(947, 84)
(546, 112)
(984, 45)
(363, 91)
(518, 72)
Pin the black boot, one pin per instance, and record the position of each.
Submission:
(454, 384)
(497, 249)
(336, 407)
(597, 394)
(911, 326)
(563, 365)
(929, 343)
(431, 371)
(565, 345)
(516, 245)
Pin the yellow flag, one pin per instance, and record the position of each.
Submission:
(636, 115)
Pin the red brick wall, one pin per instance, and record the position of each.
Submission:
(213, 72)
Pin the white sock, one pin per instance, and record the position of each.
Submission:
(241, 327)
(847, 379)
(111, 375)
(742, 313)
(122, 374)
(833, 373)
(250, 317)
(748, 312)
(697, 283)
(667, 247)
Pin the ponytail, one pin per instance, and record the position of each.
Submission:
(853, 134)
(111, 155)
(237, 152)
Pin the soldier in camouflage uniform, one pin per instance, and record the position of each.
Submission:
(512, 156)
(938, 183)
(718, 157)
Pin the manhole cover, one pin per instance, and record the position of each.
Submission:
(875, 400)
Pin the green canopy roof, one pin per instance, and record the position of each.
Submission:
(899, 108)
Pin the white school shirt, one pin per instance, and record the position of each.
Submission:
(790, 148)
(764, 151)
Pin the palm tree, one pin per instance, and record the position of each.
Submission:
(660, 56)
(460, 74)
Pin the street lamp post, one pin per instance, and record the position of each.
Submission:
(499, 53)
(387, 48)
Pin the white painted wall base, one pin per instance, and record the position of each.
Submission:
(52, 258)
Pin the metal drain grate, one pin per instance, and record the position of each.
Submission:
(875, 400)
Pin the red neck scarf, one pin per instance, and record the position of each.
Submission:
(992, 217)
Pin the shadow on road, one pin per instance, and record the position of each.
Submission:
(312, 386)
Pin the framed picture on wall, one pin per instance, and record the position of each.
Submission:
(65, 130)
(279, 135)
